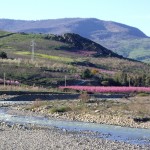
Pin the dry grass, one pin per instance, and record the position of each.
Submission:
(36, 104)
(23, 88)
(84, 97)
(140, 106)
(132, 107)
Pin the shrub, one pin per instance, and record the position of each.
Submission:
(60, 109)
(3, 55)
(86, 74)
(37, 103)
(84, 97)
(142, 94)
(95, 71)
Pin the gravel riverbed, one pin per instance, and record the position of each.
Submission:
(36, 138)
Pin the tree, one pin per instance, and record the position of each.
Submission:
(147, 81)
(86, 74)
(121, 78)
(94, 71)
(3, 55)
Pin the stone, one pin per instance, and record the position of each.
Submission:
(96, 111)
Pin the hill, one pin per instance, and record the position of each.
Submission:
(122, 39)
(56, 57)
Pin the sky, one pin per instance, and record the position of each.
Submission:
(135, 13)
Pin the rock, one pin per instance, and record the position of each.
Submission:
(42, 111)
(33, 110)
(96, 111)
(8, 125)
(145, 119)
(13, 126)
(64, 130)
(3, 123)
(19, 126)
(56, 115)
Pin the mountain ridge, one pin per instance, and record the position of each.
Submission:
(69, 24)
(81, 43)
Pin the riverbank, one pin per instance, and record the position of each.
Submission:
(34, 137)
(121, 112)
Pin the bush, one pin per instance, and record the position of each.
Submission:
(142, 94)
(37, 103)
(84, 97)
(3, 55)
(86, 74)
(94, 71)
(60, 109)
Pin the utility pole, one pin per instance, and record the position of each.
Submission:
(32, 45)
(65, 80)
(129, 81)
(4, 79)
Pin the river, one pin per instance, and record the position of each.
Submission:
(111, 132)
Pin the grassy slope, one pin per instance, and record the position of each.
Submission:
(138, 49)
(51, 65)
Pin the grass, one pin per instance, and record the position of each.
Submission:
(140, 106)
(142, 94)
(57, 58)
(134, 106)
(24, 88)
(134, 48)
(36, 104)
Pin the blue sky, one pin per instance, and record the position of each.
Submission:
(131, 12)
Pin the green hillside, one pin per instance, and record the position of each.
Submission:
(138, 49)
(80, 60)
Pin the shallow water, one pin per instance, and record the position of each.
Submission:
(112, 132)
